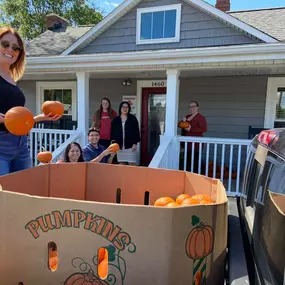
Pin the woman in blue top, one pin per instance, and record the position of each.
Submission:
(14, 152)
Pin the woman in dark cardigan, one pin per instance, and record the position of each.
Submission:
(125, 132)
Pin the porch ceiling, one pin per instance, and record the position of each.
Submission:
(161, 74)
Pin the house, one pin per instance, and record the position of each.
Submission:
(162, 54)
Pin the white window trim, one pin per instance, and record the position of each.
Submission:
(273, 84)
(56, 85)
(176, 7)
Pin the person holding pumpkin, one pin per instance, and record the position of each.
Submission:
(197, 127)
(125, 132)
(14, 152)
(102, 121)
(74, 153)
(95, 150)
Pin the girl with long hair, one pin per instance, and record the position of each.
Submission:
(102, 121)
(14, 152)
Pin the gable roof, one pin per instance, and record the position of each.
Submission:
(55, 42)
(270, 20)
(128, 5)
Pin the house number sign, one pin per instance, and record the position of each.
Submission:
(158, 84)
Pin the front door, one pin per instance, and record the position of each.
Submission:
(153, 121)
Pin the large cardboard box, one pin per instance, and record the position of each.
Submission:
(74, 206)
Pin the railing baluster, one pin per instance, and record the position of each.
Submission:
(36, 148)
(223, 162)
(200, 158)
(45, 141)
(185, 155)
(207, 159)
(230, 169)
(215, 161)
(238, 168)
(192, 157)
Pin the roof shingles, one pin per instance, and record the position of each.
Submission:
(270, 21)
(52, 43)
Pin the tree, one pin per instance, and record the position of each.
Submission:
(28, 16)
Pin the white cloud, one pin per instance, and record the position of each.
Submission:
(111, 4)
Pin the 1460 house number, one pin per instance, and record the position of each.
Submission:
(157, 84)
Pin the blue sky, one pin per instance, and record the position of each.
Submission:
(109, 5)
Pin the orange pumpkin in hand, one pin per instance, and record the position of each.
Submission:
(19, 121)
(44, 157)
(163, 201)
(114, 147)
(183, 125)
(53, 107)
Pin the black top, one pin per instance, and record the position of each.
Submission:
(132, 133)
(10, 96)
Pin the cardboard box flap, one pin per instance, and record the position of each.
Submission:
(279, 201)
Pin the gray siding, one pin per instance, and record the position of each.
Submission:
(197, 30)
(230, 104)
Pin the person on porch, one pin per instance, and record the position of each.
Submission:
(125, 132)
(198, 126)
(94, 151)
(102, 121)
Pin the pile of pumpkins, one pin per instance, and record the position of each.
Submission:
(184, 200)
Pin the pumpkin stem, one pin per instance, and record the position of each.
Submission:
(43, 148)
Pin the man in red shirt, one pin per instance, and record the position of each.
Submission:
(198, 126)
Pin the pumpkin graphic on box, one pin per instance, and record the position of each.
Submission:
(199, 245)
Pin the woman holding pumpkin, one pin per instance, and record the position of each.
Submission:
(125, 132)
(14, 152)
(197, 126)
(102, 121)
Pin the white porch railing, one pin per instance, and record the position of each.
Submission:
(219, 158)
(167, 155)
(50, 139)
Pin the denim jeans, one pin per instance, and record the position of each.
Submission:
(14, 153)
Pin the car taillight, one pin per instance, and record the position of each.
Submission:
(268, 138)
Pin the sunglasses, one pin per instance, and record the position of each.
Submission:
(6, 44)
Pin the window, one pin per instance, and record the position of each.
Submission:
(279, 121)
(275, 103)
(62, 95)
(65, 92)
(158, 24)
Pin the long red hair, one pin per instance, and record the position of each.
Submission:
(98, 114)
(17, 69)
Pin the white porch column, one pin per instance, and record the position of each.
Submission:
(83, 104)
(172, 101)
